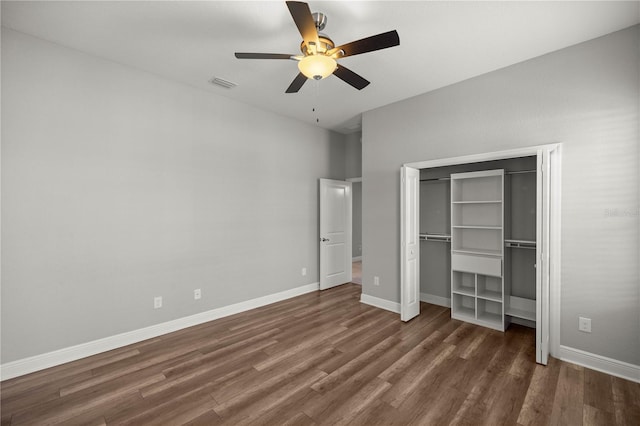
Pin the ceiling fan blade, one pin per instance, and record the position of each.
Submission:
(368, 44)
(301, 15)
(263, 56)
(297, 83)
(350, 77)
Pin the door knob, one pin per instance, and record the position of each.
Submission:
(324, 239)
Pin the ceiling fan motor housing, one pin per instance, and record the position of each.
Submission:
(325, 45)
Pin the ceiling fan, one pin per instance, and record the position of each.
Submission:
(319, 53)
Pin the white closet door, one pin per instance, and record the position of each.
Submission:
(542, 257)
(410, 244)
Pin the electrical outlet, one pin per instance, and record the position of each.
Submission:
(584, 324)
(304, 271)
(197, 294)
(376, 280)
(157, 302)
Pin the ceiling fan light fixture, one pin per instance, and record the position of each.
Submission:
(319, 52)
(317, 67)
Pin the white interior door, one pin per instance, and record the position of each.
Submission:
(542, 256)
(410, 244)
(335, 233)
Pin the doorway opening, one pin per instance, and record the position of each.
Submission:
(356, 230)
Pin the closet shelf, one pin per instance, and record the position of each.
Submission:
(495, 296)
(521, 313)
(465, 291)
(485, 252)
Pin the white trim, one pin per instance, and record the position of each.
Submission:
(601, 363)
(435, 300)
(380, 303)
(72, 353)
(356, 259)
(355, 179)
(486, 156)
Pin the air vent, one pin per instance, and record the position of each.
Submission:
(222, 82)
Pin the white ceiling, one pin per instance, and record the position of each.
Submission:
(441, 43)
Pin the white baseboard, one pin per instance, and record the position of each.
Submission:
(73, 353)
(380, 303)
(356, 259)
(435, 300)
(600, 363)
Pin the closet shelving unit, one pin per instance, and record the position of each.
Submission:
(477, 248)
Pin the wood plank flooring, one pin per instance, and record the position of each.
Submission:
(356, 272)
(323, 359)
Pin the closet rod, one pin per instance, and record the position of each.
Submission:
(506, 173)
(436, 237)
(520, 172)
(520, 244)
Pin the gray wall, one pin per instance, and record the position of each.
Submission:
(353, 155)
(586, 97)
(118, 186)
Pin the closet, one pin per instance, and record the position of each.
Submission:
(477, 241)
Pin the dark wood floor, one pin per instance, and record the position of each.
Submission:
(324, 358)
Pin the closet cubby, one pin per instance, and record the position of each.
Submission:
(464, 306)
(490, 313)
(463, 283)
(490, 288)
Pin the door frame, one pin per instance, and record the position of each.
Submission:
(548, 338)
